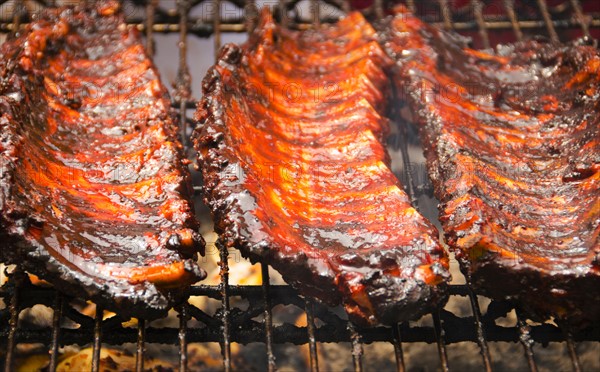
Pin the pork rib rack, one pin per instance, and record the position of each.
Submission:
(512, 140)
(290, 143)
(94, 189)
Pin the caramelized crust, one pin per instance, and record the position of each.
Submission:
(95, 192)
(290, 144)
(512, 140)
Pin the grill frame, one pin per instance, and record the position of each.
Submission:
(229, 325)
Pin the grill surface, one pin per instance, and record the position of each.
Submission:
(488, 22)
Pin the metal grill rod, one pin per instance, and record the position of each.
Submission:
(18, 13)
(526, 341)
(312, 342)
(548, 20)
(97, 342)
(580, 17)
(150, 10)
(478, 11)
(316, 12)
(440, 335)
(481, 338)
(182, 336)
(56, 317)
(225, 310)
(184, 79)
(398, 352)
(509, 7)
(217, 27)
(245, 331)
(251, 18)
(446, 15)
(141, 346)
(572, 351)
(268, 317)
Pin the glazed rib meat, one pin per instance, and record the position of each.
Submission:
(512, 140)
(290, 141)
(95, 192)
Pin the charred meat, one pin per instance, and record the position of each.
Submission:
(512, 140)
(290, 142)
(95, 193)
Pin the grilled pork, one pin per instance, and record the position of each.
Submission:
(512, 140)
(290, 142)
(95, 193)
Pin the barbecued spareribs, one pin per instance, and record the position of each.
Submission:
(512, 140)
(94, 188)
(290, 143)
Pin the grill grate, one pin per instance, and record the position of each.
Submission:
(481, 19)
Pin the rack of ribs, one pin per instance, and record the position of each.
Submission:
(290, 139)
(512, 141)
(95, 193)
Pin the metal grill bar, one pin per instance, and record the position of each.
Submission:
(446, 15)
(509, 6)
(182, 336)
(184, 79)
(315, 9)
(478, 10)
(251, 17)
(97, 342)
(440, 336)
(19, 10)
(246, 332)
(481, 338)
(398, 352)
(268, 317)
(312, 342)
(150, 11)
(406, 163)
(141, 346)
(572, 352)
(548, 20)
(217, 26)
(526, 341)
(225, 313)
(56, 317)
(580, 18)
